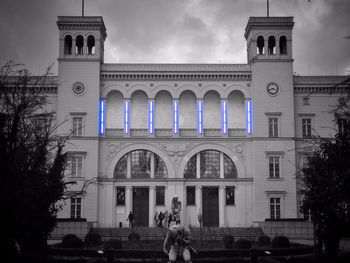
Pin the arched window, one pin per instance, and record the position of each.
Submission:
(91, 45)
(236, 110)
(138, 110)
(260, 43)
(115, 110)
(191, 168)
(141, 165)
(212, 110)
(121, 168)
(79, 45)
(68, 42)
(210, 166)
(283, 45)
(272, 45)
(163, 110)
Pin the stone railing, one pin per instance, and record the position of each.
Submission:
(139, 132)
(188, 132)
(236, 132)
(115, 132)
(212, 132)
(163, 132)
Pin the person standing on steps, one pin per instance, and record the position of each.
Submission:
(130, 219)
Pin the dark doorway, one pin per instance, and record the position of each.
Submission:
(210, 206)
(140, 205)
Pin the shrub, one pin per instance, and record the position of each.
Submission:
(92, 239)
(134, 237)
(228, 241)
(72, 241)
(243, 244)
(113, 244)
(280, 242)
(264, 241)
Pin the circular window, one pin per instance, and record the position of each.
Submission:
(78, 88)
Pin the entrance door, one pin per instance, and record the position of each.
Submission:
(140, 205)
(210, 206)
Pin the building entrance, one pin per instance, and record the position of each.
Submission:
(210, 206)
(140, 203)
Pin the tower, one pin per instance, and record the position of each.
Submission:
(81, 46)
(269, 48)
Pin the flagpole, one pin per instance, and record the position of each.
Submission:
(267, 8)
(82, 8)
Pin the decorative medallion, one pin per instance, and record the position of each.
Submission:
(273, 89)
(78, 88)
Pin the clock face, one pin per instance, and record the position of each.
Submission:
(273, 89)
(78, 88)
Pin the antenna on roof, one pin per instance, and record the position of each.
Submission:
(82, 7)
(267, 8)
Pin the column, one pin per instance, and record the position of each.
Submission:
(199, 202)
(222, 167)
(128, 166)
(128, 201)
(151, 205)
(109, 196)
(152, 165)
(222, 206)
(198, 166)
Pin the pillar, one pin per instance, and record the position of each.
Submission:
(222, 167)
(151, 205)
(128, 166)
(109, 194)
(128, 200)
(152, 165)
(222, 206)
(198, 166)
(199, 201)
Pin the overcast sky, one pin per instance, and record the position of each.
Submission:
(178, 31)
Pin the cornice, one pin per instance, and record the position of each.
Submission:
(175, 72)
(321, 84)
(268, 23)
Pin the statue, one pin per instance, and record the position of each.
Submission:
(176, 209)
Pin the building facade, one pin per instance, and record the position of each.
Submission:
(225, 138)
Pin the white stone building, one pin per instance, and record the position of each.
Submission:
(225, 138)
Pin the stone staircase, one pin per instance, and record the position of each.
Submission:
(204, 233)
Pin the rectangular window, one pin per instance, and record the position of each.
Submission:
(306, 101)
(306, 127)
(176, 116)
(77, 126)
(273, 127)
(75, 207)
(210, 164)
(274, 167)
(102, 117)
(150, 116)
(275, 207)
(126, 116)
(191, 195)
(160, 195)
(230, 195)
(343, 126)
(200, 116)
(224, 116)
(76, 166)
(249, 116)
(120, 195)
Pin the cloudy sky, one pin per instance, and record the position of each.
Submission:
(178, 31)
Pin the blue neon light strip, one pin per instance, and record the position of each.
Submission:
(200, 116)
(176, 116)
(126, 116)
(224, 116)
(249, 116)
(102, 117)
(150, 116)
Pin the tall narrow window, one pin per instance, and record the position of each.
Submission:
(230, 195)
(224, 116)
(160, 170)
(283, 45)
(91, 45)
(191, 168)
(306, 127)
(121, 168)
(272, 45)
(210, 164)
(75, 207)
(343, 126)
(230, 170)
(273, 127)
(77, 126)
(274, 167)
(260, 43)
(68, 42)
(150, 116)
(275, 207)
(79, 45)
(140, 164)
(120, 195)
(126, 116)
(176, 116)
(102, 117)
(76, 165)
(190, 195)
(160, 195)
(200, 116)
(249, 116)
